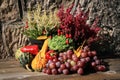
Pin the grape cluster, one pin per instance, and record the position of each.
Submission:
(92, 58)
(68, 63)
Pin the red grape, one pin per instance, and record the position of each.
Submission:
(75, 68)
(62, 66)
(48, 71)
(74, 56)
(80, 64)
(97, 61)
(93, 64)
(65, 71)
(80, 71)
(52, 65)
(89, 54)
(69, 52)
(50, 61)
(83, 60)
(95, 57)
(60, 54)
(93, 53)
(60, 59)
(69, 56)
(65, 53)
(55, 60)
(58, 64)
(47, 65)
(67, 65)
(75, 59)
(59, 70)
(86, 49)
(87, 59)
(54, 71)
(101, 68)
(84, 54)
(44, 70)
(64, 57)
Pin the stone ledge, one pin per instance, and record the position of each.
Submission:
(18, 73)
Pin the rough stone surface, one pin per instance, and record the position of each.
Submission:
(12, 39)
(107, 11)
(8, 10)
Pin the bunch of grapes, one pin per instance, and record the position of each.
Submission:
(92, 59)
(68, 63)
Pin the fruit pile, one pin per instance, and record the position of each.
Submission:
(68, 63)
(67, 49)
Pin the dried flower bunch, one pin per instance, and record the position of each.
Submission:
(40, 22)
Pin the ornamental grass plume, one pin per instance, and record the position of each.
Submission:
(40, 22)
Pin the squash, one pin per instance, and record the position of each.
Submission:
(41, 37)
(79, 49)
(25, 59)
(18, 53)
(39, 61)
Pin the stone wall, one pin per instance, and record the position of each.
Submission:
(8, 10)
(12, 39)
(12, 13)
(108, 13)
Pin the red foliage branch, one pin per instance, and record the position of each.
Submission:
(76, 25)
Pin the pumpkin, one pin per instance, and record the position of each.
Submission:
(39, 61)
(18, 53)
(25, 59)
